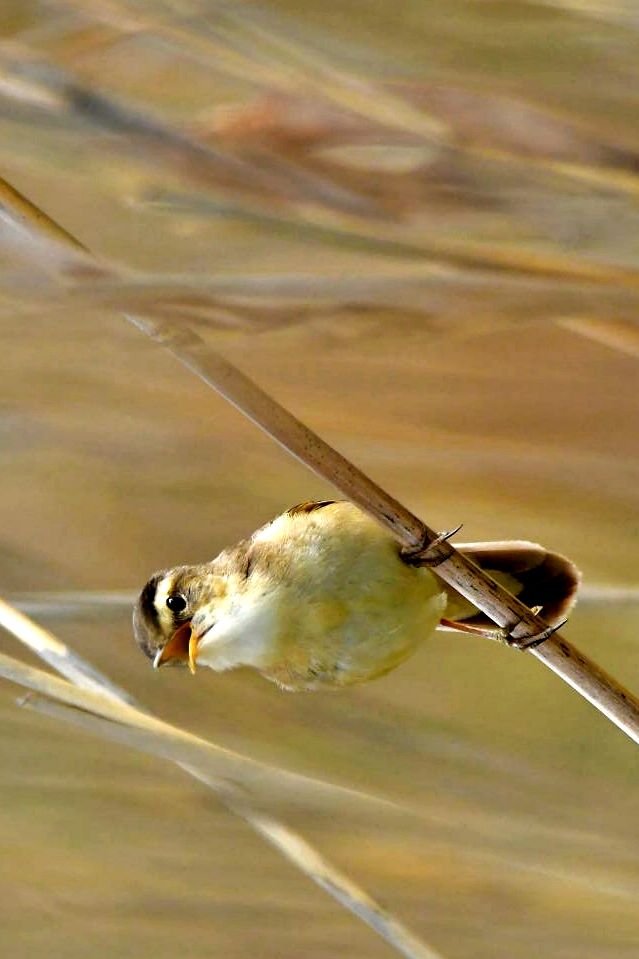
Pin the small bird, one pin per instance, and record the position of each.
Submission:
(320, 598)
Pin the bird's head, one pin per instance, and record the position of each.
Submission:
(173, 610)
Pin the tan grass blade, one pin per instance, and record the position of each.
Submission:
(289, 843)
(72, 603)
(57, 654)
(305, 68)
(107, 714)
(265, 783)
(364, 234)
(617, 334)
(24, 213)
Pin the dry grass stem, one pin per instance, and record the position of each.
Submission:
(265, 783)
(585, 676)
(58, 655)
(288, 842)
(245, 786)
(25, 214)
(618, 334)
(284, 180)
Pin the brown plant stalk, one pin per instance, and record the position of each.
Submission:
(585, 676)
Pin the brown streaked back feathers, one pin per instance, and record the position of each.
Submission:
(309, 506)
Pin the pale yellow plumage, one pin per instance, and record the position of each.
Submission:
(345, 607)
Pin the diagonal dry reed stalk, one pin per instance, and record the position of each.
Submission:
(246, 787)
(262, 783)
(457, 570)
(292, 846)
(585, 676)
(85, 688)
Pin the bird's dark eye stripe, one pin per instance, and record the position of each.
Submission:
(176, 602)
(147, 601)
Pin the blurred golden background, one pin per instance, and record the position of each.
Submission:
(416, 226)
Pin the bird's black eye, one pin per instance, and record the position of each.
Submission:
(176, 603)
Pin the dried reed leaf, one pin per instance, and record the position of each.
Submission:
(58, 655)
(103, 711)
(289, 843)
(510, 261)
(268, 784)
(620, 335)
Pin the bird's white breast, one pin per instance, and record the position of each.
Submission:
(242, 636)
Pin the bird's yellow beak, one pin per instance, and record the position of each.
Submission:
(181, 648)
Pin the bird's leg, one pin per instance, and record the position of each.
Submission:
(499, 633)
(427, 555)
(531, 642)
(503, 634)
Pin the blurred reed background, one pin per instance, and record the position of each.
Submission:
(417, 226)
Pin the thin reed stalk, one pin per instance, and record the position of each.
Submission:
(246, 787)
(585, 676)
